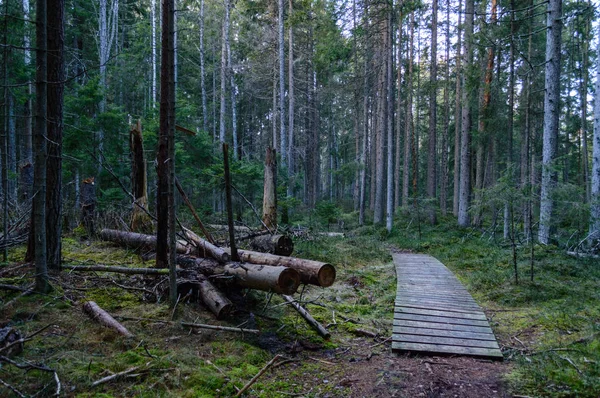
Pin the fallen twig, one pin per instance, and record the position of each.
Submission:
(13, 389)
(114, 376)
(194, 325)
(253, 380)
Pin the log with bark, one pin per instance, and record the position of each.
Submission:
(281, 245)
(133, 240)
(254, 276)
(311, 272)
(207, 249)
(306, 315)
(214, 299)
(99, 315)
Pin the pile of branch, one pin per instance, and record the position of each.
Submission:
(207, 268)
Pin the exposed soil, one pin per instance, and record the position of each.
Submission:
(361, 370)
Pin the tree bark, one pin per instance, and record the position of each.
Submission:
(432, 136)
(595, 192)
(390, 121)
(224, 47)
(281, 245)
(202, 70)
(457, 117)
(267, 278)
(281, 44)
(214, 299)
(140, 221)
(56, 77)
(207, 249)
(408, 136)
(40, 133)
(104, 318)
(270, 190)
(291, 104)
(465, 149)
(311, 272)
(551, 116)
(446, 130)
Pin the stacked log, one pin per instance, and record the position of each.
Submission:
(202, 264)
(281, 245)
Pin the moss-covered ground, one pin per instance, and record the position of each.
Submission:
(548, 328)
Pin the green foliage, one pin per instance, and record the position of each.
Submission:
(327, 212)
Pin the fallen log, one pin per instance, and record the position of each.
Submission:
(281, 245)
(120, 270)
(237, 228)
(268, 278)
(214, 299)
(104, 318)
(311, 272)
(207, 249)
(137, 241)
(194, 325)
(309, 319)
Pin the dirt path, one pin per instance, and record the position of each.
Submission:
(362, 371)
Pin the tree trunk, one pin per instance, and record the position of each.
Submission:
(408, 116)
(140, 221)
(224, 47)
(584, 104)
(595, 193)
(551, 116)
(153, 28)
(446, 130)
(281, 245)
(291, 105)
(508, 216)
(202, 70)
(40, 133)
(137, 241)
(432, 136)
(311, 272)
(88, 206)
(398, 159)
(389, 114)
(457, 118)
(382, 96)
(165, 236)
(465, 149)
(270, 190)
(56, 77)
(280, 46)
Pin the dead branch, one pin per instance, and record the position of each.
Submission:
(309, 319)
(262, 371)
(193, 325)
(121, 270)
(104, 318)
(114, 376)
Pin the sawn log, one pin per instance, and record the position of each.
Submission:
(281, 245)
(253, 276)
(311, 272)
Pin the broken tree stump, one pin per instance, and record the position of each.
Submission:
(281, 245)
(99, 315)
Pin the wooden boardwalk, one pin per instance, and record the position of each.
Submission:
(435, 314)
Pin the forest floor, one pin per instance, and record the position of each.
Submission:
(548, 329)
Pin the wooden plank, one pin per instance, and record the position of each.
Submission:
(439, 298)
(411, 338)
(439, 319)
(443, 326)
(448, 314)
(448, 350)
(444, 333)
(436, 306)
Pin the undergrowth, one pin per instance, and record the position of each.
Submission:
(548, 328)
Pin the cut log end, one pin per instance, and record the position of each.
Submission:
(326, 275)
(289, 280)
